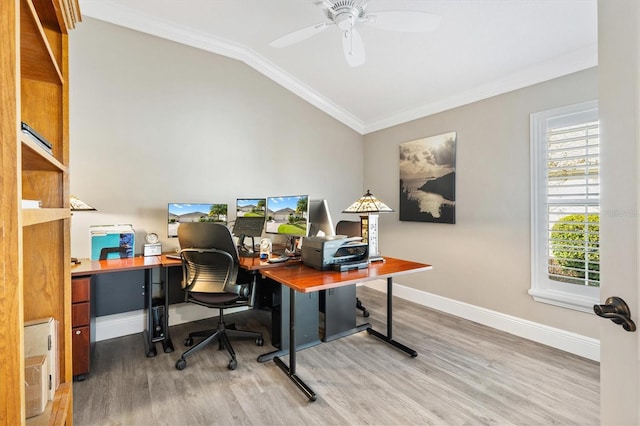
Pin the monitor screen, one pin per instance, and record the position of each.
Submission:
(288, 215)
(320, 223)
(251, 207)
(178, 213)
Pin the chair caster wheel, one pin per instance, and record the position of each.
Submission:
(365, 314)
(181, 364)
(233, 364)
(259, 341)
(188, 341)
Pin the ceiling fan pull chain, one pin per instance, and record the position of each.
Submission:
(347, 34)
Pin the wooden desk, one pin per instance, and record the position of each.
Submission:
(303, 279)
(93, 267)
(247, 263)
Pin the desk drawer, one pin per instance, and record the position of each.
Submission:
(80, 341)
(80, 289)
(80, 314)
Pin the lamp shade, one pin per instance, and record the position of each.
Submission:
(368, 204)
(78, 205)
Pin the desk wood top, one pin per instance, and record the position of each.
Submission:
(306, 279)
(248, 263)
(257, 264)
(90, 267)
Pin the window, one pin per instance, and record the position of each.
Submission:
(565, 190)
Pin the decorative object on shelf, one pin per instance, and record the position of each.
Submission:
(31, 204)
(368, 206)
(428, 179)
(78, 205)
(37, 137)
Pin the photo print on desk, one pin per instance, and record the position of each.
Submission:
(428, 179)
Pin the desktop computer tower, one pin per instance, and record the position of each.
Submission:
(307, 319)
(157, 316)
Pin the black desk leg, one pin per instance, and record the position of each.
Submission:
(167, 344)
(291, 369)
(149, 344)
(307, 328)
(389, 337)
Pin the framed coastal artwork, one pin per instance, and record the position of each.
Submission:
(428, 179)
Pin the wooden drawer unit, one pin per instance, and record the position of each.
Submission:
(81, 325)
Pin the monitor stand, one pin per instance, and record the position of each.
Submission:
(288, 248)
(291, 247)
(244, 251)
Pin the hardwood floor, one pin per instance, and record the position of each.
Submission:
(465, 374)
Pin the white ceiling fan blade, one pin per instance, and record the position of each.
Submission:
(299, 35)
(404, 20)
(323, 4)
(353, 47)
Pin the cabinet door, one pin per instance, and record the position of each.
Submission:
(81, 350)
(119, 292)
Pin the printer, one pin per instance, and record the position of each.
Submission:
(340, 253)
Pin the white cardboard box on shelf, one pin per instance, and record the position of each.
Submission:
(36, 379)
(41, 338)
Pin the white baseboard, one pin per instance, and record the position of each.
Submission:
(561, 339)
(111, 326)
(117, 325)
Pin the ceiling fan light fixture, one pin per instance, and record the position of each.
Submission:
(346, 15)
(345, 21)
(354, 8)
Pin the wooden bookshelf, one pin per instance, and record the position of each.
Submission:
(35, 243)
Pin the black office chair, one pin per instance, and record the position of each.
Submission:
(352, 229)
(209, 271)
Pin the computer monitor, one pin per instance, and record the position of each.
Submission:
(178, 213)
(288, 215)
(320, 223)
(251, 207)
(250, 217)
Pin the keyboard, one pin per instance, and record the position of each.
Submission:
(278, 259)
(173, 256)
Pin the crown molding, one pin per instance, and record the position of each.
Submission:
(132, 19)
(557, 67)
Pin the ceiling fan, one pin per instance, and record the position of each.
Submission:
(347, 14)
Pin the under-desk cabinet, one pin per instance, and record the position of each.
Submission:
(83, 326)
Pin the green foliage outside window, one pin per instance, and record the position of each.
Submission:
(576, 249)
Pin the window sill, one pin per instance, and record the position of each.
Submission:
(564, 299)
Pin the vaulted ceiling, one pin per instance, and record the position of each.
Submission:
(481, 48)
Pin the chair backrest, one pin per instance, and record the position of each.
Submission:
(349, 228)
(209, 258)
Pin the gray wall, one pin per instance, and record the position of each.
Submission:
(153, 122)
(484, 259)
